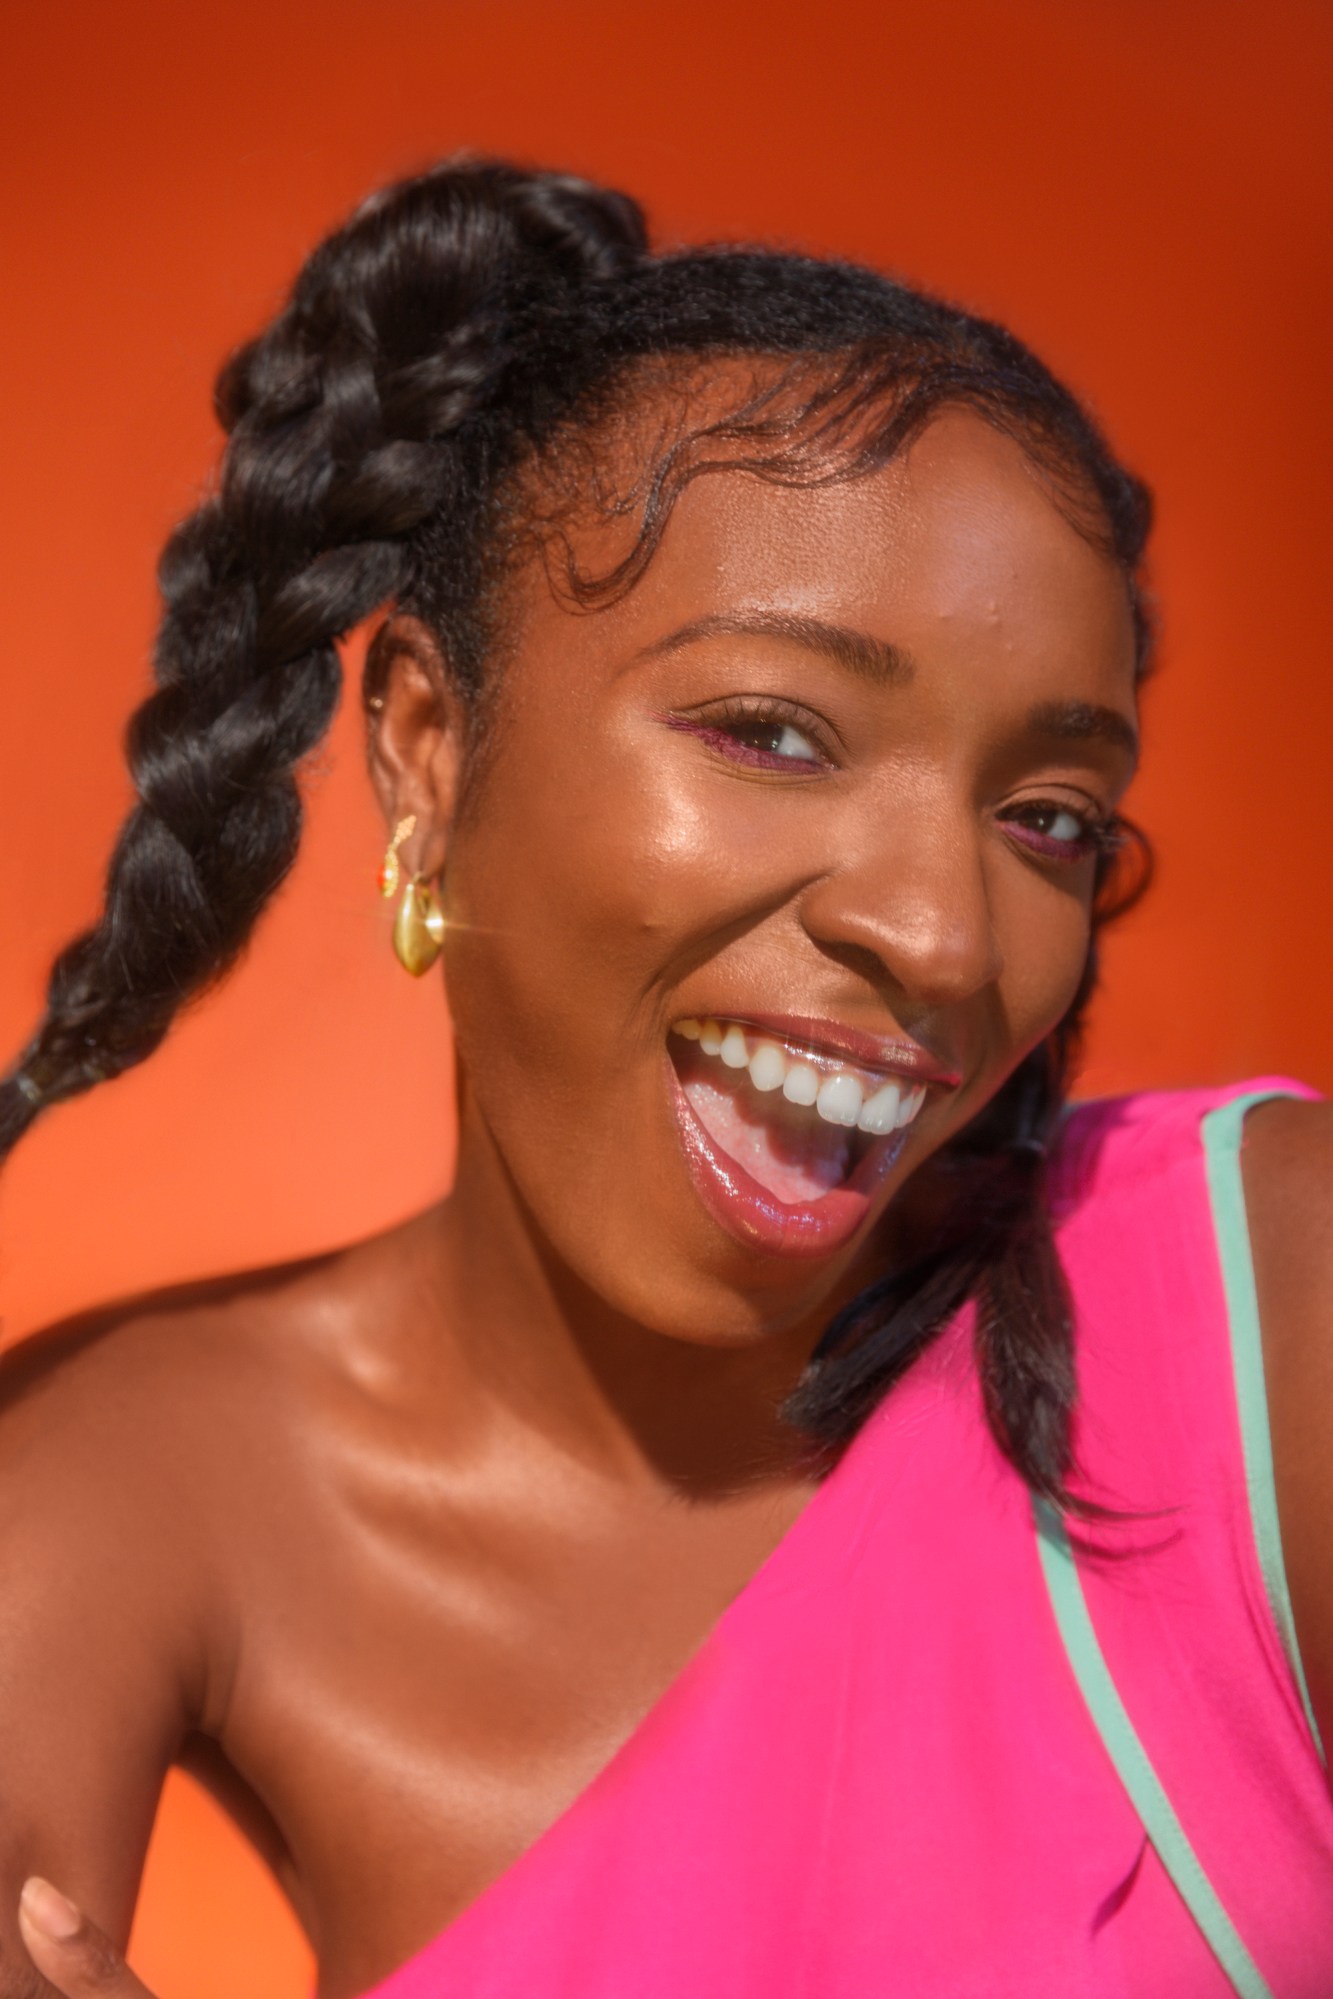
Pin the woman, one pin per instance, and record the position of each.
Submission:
(624, 1577)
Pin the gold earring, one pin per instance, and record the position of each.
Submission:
(390, 873)
(418, 928)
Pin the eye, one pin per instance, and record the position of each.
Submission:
(1058, 823)
(766, 733)
(1056, 830)
(772, 738)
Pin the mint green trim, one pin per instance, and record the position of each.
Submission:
(1226, 1191)
(1136, 1773)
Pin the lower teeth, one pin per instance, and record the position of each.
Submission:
(793, 1153)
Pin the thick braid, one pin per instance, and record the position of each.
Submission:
(340, 418)
(1025, 1320)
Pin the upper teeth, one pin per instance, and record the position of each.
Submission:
(840, 1096)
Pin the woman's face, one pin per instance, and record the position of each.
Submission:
(810, 811)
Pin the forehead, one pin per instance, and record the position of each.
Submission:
(960, 537)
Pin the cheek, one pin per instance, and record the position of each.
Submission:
(598, 875)
(1044, 933)
(573, 889)
(578, 901)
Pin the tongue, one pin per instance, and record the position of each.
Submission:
(789, 1149)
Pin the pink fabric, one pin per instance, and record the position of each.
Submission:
(878, 1774)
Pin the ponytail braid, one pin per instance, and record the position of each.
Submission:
(339, 419)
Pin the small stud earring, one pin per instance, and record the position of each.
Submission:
(390, 873)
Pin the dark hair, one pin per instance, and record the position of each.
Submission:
(462, 326)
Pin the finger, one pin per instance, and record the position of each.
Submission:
(70, 1951)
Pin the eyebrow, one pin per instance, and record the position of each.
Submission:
(872, 658)
(1084, 722)
(885, 663)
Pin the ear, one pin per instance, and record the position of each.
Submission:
(416, 738)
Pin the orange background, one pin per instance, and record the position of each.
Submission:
(1141, 188)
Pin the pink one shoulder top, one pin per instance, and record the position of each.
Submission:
(941, 1748)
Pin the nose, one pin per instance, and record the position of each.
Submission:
(917, 901)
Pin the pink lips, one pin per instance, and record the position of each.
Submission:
(756, 1217)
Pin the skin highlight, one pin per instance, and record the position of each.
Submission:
(885, 892)
(423, 1529)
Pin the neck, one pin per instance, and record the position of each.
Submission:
(699, 1418)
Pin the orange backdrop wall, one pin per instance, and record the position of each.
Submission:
(1141, 187)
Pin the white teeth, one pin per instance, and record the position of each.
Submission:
(733, 1050)
(768, 1067)
(911, 1104)
(880, 1112)
(838, 1095)
(839, 1099)
(801, 1084)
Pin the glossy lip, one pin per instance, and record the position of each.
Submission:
(896, 1055)
(747, 1211)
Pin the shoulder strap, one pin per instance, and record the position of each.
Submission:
(1136, 1773)
(1226, 1192)
(1221, 1131)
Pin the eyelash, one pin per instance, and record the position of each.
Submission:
(1099, 836)
(720, 729)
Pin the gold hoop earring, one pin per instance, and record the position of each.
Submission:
(390, 873)
(418, 928)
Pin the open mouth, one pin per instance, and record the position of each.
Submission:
(786, 1141)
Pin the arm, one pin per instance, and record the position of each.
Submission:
(94, 1679)
(1288, 1172)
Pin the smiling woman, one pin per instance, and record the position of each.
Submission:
(618, 1577)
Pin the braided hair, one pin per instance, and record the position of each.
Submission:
(463, 326)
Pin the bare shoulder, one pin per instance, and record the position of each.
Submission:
(140, 1430)
(1287, 1161)
(91, 1414)
(129, 1439)
(117, 1399)
(169, 1476)
(117, 1418)
(121, 1430)
(101, 1652)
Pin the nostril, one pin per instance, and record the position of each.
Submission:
(859, 959)
(929, 970)
(922, 928)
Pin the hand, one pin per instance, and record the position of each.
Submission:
(71, 1952)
